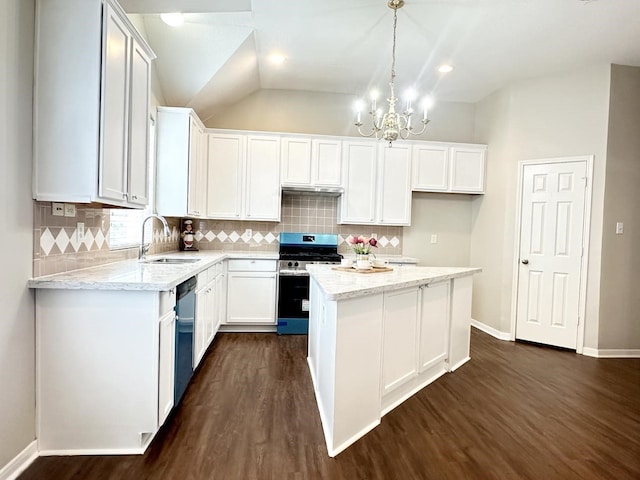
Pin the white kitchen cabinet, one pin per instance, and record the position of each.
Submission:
(226, 159)
(296, 161)
(394, 187)
(181, 163)
(311, 162)
(209, 308)
(377, 184)
(166, 366)
(262, 178)
(467, 169)
(244, 177)
(104, 369)
(251, 292)
(453, 168)
(91, 104)
(358, 202)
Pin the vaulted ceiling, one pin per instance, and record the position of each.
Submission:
(221, 53)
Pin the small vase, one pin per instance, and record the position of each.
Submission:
(362, 261)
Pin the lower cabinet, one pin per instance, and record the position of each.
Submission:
(104, 362)
(251, 292)
(416, 327)
(209, 309)
(166, 366)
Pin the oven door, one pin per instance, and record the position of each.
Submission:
(293, 304)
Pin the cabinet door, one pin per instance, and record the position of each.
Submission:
(221, 300)
(394, 195)
(224, 179)
(434, 324)
(399, 345)
(296, 161)
(115, 108)
(166, 367)
(467, 169)
(139, 126)
(326, 162)
(199, 326)
(197, 171)
(211, 320)
(262, 179)
(430, 168)
(261, 287)
(358, 202)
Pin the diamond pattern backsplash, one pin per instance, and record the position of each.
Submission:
(58, 249)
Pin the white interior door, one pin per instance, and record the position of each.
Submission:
(551, 249)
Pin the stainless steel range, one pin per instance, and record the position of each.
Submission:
(296, 251)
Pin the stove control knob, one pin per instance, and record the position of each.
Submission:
(296, 264)
(289, 264)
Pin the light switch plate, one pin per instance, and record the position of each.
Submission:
(69, 210)
(434, 238)
(80, 231)
(619, 228)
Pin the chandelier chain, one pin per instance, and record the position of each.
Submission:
(393, 50)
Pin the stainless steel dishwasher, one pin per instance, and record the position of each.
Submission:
(185, 316)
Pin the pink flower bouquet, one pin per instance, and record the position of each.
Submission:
(362, 245)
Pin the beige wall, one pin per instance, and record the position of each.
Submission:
(554, 116)
(330, 114)
(619, 299)
(17, 337)
(449, 217)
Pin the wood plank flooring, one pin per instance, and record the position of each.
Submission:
(515, 411)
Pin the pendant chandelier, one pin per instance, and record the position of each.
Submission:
(391, 126)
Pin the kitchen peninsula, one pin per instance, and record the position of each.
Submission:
(375, 339)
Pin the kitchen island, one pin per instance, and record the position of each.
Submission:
(375, 339)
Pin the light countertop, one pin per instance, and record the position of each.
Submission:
(339, 285)
(135, 275)
(399, 259)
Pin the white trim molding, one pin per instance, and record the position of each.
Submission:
(611, 353)
(20, 463)
(490, 330)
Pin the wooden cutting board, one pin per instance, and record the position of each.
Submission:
(371, 270)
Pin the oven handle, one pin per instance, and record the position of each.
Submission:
(294, 273)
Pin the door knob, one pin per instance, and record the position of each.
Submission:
(525, 262)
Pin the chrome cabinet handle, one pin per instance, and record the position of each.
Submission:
(525, 262)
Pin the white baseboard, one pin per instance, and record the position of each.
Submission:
(611, 353)
(20, 463)
(490, 330)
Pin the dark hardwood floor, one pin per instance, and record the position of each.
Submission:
(515, 411)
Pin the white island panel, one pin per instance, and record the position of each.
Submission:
(376, 339)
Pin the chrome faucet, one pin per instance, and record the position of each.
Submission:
(142, 252)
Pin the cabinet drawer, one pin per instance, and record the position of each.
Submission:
(167, 301)
(252, 265)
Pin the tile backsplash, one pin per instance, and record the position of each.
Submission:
(57, 249)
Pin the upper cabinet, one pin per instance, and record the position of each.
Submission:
(453, 168)
(377, 181)
(244, 177)
(311, 162)
(181, 163)
(91, 104)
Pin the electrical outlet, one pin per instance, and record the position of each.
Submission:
(69, 210)
(434, 238)
(80, 231)
(619, 228)
(248, 233)
(57, 209)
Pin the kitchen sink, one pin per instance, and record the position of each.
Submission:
(172, 260)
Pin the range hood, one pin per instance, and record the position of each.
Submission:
(310, 190)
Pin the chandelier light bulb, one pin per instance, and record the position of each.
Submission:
(445, 68)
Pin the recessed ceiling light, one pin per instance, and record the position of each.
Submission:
(172, 19)
(446, 68)
(277, 58)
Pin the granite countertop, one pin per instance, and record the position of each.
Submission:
(135, 275)
(339, 285)
(391, 258)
